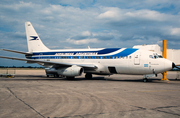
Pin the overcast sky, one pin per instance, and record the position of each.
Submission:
(65, 24)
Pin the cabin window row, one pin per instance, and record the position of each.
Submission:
(83, 57)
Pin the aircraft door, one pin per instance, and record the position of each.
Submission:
(137, 59)
(149, 65)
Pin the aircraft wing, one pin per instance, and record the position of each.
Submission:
(20, 52)
(51, 63)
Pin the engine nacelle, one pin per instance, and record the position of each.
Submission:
(70, 71)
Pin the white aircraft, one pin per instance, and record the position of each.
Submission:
(103, 61)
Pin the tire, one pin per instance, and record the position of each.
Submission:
(88, 76)
(70, 78)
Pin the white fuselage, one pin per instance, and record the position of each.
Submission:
(110, 60)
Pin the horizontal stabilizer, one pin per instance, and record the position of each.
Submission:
(20, 52)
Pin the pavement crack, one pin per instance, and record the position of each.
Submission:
(160, 109)
(139, 108)
(24, 102)
(168, 112)
(164, 107)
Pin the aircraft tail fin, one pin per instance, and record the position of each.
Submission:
(33, 40)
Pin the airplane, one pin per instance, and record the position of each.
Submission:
(101, 61)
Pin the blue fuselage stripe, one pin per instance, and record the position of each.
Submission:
(104, 51)
(126, 52)
(75, 55)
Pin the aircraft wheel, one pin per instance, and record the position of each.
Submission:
(88, 76)
(56, 75)
(70, 78)
(145, 80)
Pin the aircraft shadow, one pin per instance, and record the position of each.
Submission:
(44, 78)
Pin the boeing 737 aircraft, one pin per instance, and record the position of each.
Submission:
(103, 61)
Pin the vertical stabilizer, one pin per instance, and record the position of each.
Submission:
(33, 40)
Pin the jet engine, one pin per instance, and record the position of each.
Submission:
(70, 71)
(65, 71)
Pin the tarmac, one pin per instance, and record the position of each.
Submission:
(30, 94)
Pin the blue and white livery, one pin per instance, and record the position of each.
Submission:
(104, 61)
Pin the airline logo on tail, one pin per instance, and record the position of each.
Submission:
(34, 38)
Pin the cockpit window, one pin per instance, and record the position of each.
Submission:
(151, 56)
(155, 56)
(160, 56)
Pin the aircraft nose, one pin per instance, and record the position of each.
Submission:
(168, 65)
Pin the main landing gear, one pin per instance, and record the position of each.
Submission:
(88, 76)
(70, 78)
(145, 80)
